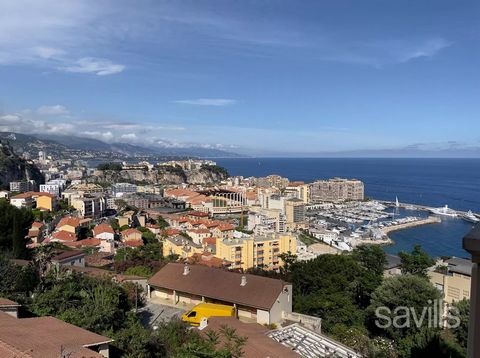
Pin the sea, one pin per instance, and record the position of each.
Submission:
(431, 182)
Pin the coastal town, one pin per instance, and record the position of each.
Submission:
(207, 234)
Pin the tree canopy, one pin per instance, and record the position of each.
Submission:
(417, 262)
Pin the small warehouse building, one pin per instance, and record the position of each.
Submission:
(262, 299)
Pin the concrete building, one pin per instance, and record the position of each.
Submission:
(247, 251)
(453, 277)
(23, 186)
(295, 213)
(263, 299)
(90, 206)
(23, 200)
(181, 246)
(263, 220)
(336, 189)
(120, 189)
(52, 188)
(69, 258)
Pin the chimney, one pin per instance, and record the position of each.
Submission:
(186, 269)
(244, 281)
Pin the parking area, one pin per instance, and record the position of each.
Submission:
(155, 312)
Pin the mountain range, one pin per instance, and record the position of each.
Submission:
(60, 143)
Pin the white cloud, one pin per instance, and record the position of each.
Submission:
(98, 66)
(10, 118)
(47, 52)
(384, 52)
(53, 110)
(129, 136)
(53, 34)
(216, 102)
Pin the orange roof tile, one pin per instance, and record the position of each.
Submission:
(70, 221)
(130, 231)
(133, 243)
(64, 236)
(102, 228)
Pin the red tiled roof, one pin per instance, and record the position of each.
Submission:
(209, 241)
(42, 337)
(90, 242)
(133, 243)
(102, 228)
(37, 224)
(69, 220)
(171, 232)
(226, 227)
(64, 236)
(258, 343)
(129, 232)
(25, 195)
(259, 292)
(207, 259)
(197, 213)
(67, 255)
(6, 302)
(199, 231)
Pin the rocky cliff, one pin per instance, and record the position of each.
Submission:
(162, 175)
(13, 168)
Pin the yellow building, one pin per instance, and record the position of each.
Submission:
(255, 251)
(46, 201)
(181, 246)
(295, 213)
(453, 280)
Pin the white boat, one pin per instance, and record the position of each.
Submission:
(397, 204)
(445, 211)
(470, 217)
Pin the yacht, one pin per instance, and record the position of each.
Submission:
(469, 216)
(445, 211)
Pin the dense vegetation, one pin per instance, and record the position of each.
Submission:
(216, 169)
(110, 166)
(14, 225)
(105, 307)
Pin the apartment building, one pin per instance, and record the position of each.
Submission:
(120, 189)
(453, 279)
(299, 190)
(336, 189)
(22, 186)
(246, 251)
(295, 213)
(90, 206)
(181, 246)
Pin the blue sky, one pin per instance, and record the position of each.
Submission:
(256, 77)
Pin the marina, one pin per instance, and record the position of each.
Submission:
(345, 226)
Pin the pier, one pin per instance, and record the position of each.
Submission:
(417, 207)
(427, 221)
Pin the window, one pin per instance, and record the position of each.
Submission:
(192, 314)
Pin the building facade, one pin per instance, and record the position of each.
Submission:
(336, 189)
(255, 251)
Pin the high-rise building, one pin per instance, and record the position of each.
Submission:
(294, 213)
(336, 189)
